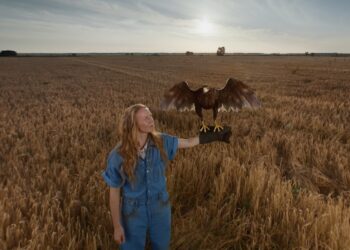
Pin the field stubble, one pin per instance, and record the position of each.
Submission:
(282, 183)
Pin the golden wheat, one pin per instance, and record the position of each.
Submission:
(282, 183)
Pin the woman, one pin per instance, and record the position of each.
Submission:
(135, 173)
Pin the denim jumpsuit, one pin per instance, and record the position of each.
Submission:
(147, 206)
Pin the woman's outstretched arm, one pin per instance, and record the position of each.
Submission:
(187, 143)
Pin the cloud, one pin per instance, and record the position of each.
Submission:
(250, 24)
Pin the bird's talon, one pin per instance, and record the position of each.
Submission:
(204, 128)
(218, 127)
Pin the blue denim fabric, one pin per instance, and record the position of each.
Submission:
(146, 205)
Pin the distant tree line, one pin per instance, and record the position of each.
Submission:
(8, 53)
(309, 54)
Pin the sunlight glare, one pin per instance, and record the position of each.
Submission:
(204, 27)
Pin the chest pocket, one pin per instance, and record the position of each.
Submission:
(156, 165)
(158, 171)
(139, 175)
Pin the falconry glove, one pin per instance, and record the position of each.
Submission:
(211, 136)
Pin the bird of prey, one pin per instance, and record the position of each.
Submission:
(233, 97)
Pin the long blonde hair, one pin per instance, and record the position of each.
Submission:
(128, 147)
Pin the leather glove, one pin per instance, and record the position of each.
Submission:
(210, 136)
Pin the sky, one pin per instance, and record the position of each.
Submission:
(250, 26)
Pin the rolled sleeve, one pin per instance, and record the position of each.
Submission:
(112, 175)
(171, 144)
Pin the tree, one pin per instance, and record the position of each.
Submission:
(220, 51)
(8, 53)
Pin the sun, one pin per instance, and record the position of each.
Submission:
(204, 27)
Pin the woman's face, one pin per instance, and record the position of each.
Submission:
(144, 120)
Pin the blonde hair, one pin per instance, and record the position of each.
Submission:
(128, 147)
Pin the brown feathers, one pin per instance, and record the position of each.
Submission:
(234, 96)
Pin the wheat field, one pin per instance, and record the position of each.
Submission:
(282, 183)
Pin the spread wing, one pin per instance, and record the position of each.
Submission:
(179, 97)
(236, 95)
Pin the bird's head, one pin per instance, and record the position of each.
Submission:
(205, 88)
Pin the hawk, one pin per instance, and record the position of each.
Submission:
(233, 97)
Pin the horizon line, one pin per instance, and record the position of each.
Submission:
(158, 52)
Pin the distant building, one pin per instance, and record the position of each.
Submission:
(8, 53)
